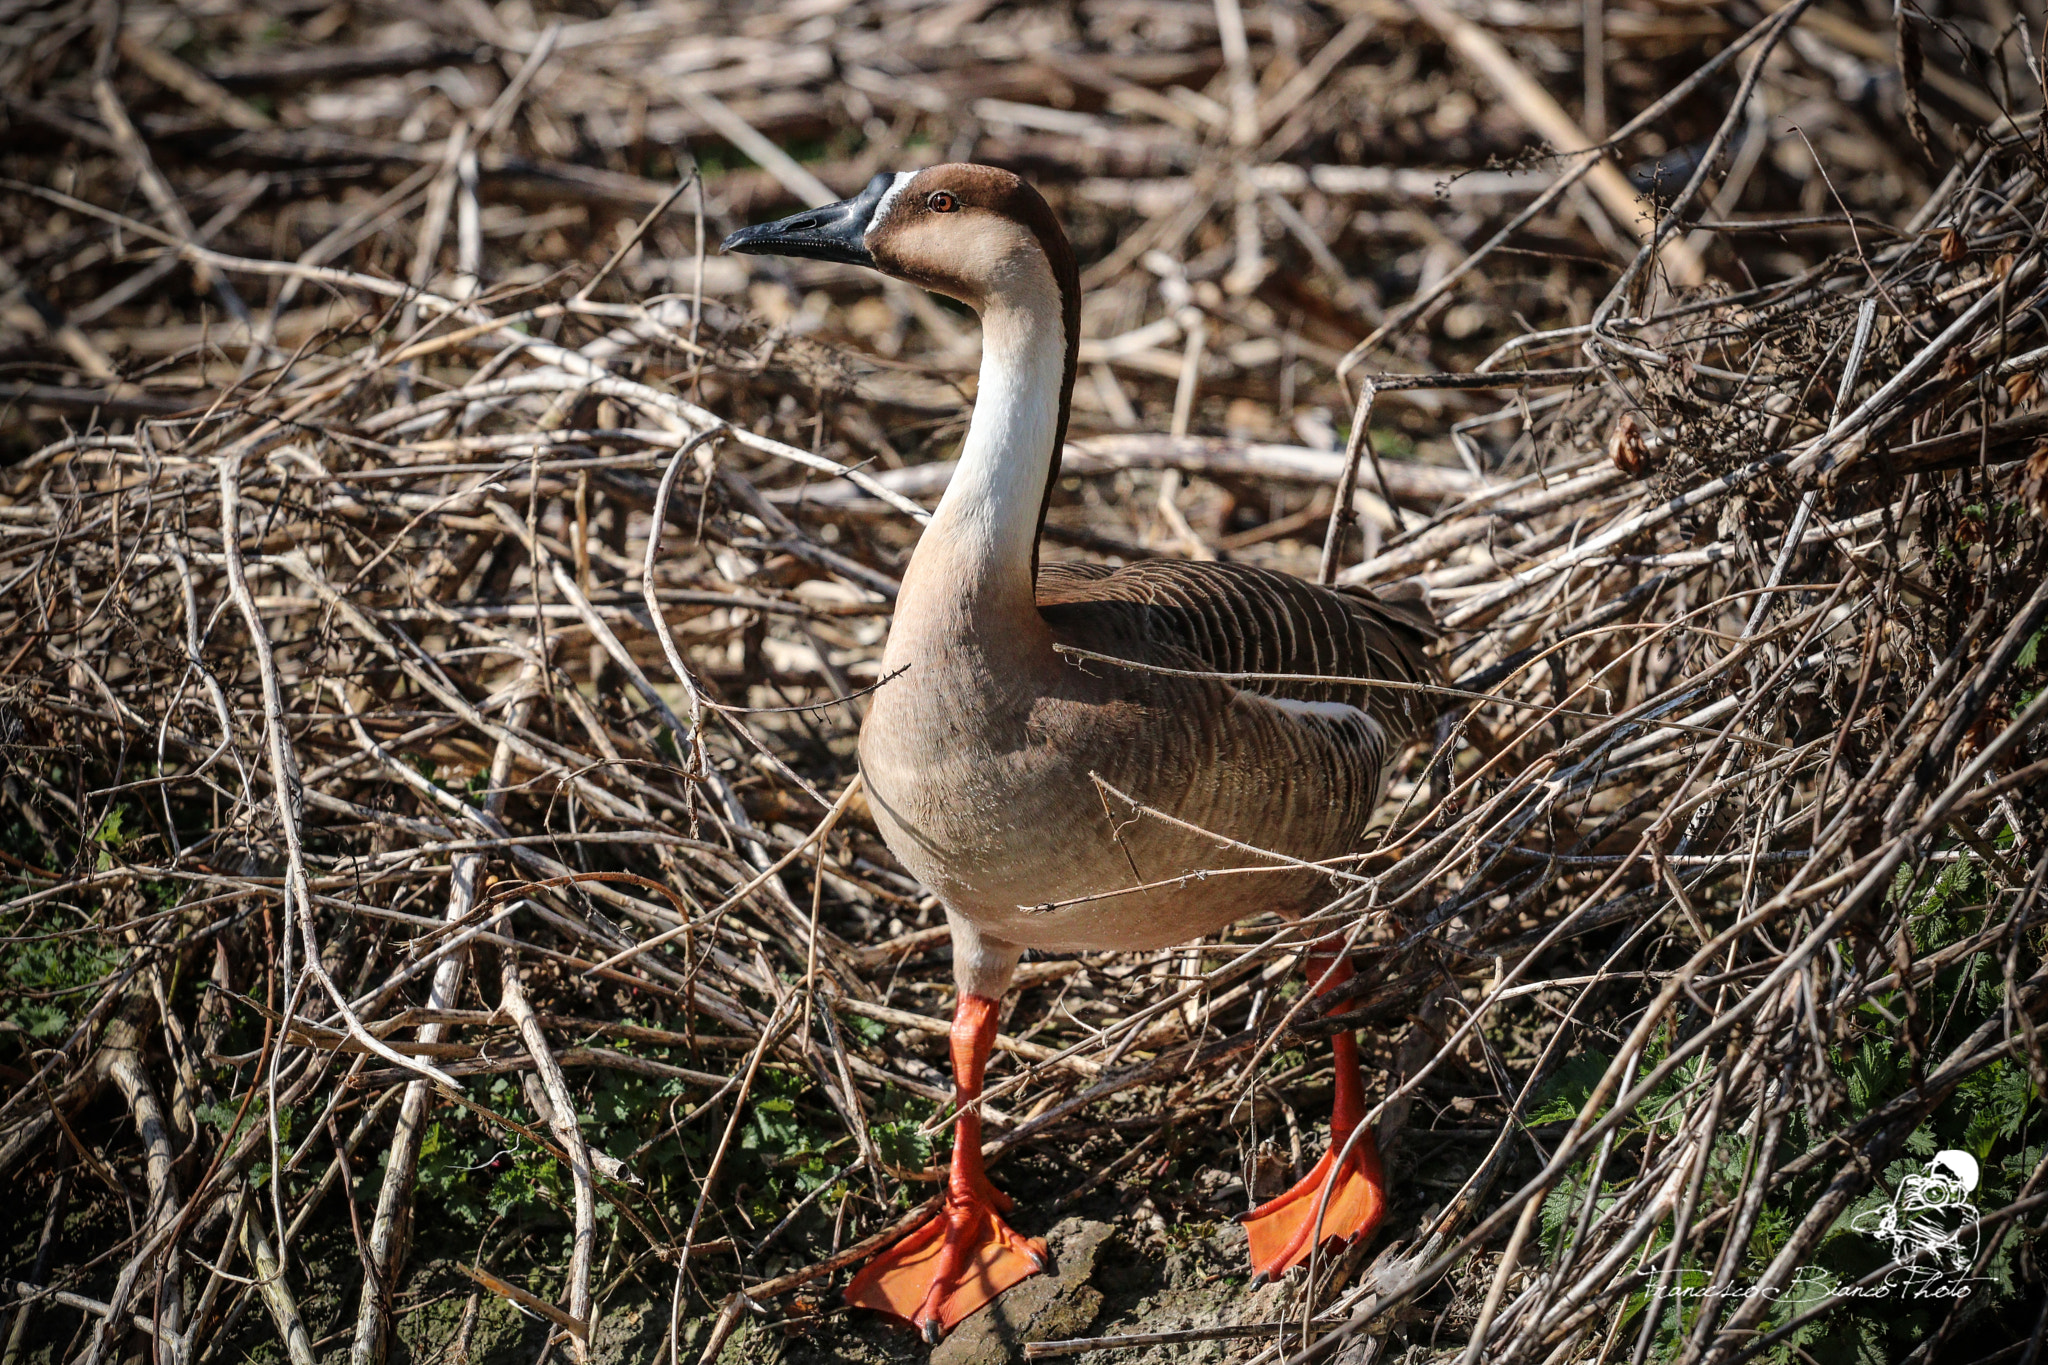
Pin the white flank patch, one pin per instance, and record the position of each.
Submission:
(1328, 710)
(888, 199)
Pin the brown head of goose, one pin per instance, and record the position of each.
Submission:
(1003, 771)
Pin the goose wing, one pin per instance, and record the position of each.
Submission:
(1236, 618)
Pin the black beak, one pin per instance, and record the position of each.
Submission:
(836, 232)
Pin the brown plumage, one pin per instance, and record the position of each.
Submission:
(1236, 618)
(984, 773)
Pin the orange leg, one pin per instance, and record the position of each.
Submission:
(967, 1254)
(1284, 1230)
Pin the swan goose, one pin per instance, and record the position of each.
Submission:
(986, 760)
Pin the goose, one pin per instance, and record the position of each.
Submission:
(1054, 801)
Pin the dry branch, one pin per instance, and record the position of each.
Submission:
(498, 569)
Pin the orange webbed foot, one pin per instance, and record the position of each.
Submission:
(949, 1267)
(1282, 1230)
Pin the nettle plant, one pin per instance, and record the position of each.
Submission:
(789, 1149)
(1847, 1307)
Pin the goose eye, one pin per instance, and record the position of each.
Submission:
(940, 201)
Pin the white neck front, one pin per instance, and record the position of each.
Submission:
(976, 556)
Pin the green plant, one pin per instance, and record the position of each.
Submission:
(1995, 1115)
(46, 979)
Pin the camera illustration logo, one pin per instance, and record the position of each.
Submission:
(1930, 1221)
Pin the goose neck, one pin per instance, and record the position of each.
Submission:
(978, 554)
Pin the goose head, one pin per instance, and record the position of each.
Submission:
(978, 234)
(983, 236)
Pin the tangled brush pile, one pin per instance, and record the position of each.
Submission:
(427, 695)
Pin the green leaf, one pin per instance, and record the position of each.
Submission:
(42, 1020)
(110, 835)
(222, 1117)
(1562, 1096)
(902, 1144)
(2030, 652)
(1871, 1074)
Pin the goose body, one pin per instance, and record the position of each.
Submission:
(1057, 801)
(1001, 771)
